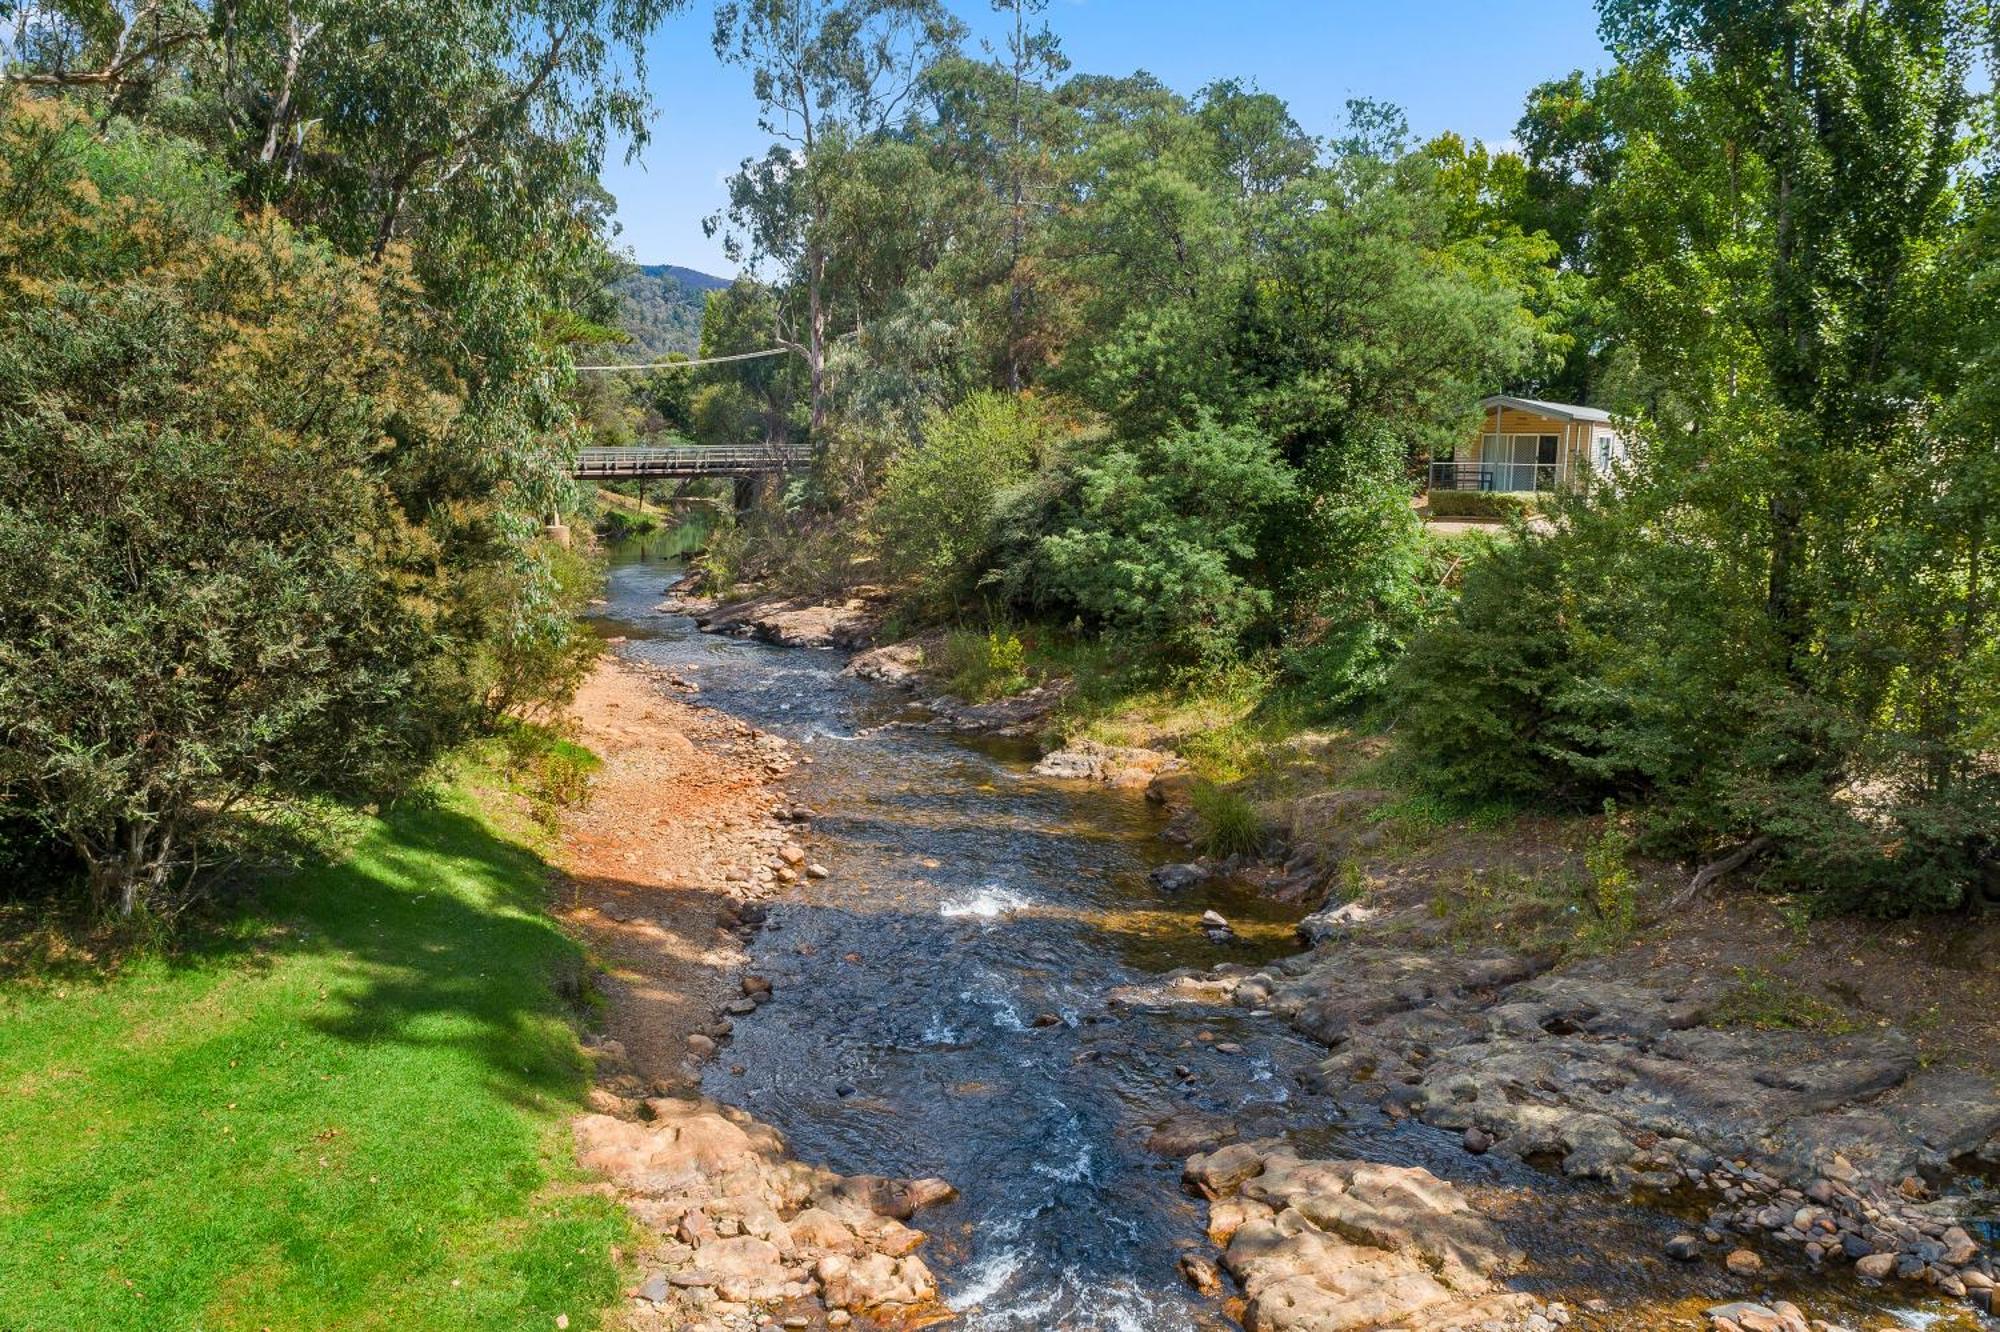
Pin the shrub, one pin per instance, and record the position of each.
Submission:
(985, 666)
(1157, 540)
(1482, 504)
(1361, 581)
(535, 662)
(935, 517)
(199, 604)
(1614, 887)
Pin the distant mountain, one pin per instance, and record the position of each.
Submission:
(661, 308)
(687, 277)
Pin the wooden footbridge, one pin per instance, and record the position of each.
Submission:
(687, 460)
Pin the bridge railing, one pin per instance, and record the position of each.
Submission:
(688, 460)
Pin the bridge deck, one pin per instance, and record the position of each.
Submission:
(685, 460)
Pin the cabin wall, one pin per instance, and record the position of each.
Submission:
(1579, 438)
(1516, 422)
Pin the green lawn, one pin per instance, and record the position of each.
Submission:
(345, 1112)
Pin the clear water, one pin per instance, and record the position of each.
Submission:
(968, 900)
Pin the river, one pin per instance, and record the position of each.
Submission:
(975, 993)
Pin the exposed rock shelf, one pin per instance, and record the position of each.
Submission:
(1815, 1141)
(1329, 1246)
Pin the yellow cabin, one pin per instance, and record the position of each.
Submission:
(1524, 446)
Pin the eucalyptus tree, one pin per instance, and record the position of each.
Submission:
(829, 76)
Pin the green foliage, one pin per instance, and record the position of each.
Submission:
(1226, 822)
(1481, 504)
(554, 770)
(981, 667)
(1767, 1002)
(1614, 888)
(1156, 540)
(1547, 913)
(939, 502)
(199, 600)
(347, 1109)
(254, 551)
(1363, 580)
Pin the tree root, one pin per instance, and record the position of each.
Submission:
(1706, 876)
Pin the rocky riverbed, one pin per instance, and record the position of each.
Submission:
(975, 992)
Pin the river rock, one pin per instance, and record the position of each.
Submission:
(1743, 1263)
(795, 622)
(1328, 1246)
(896, 664)
(749, 1229)
(1109, 765)
(1876, 1266)
(1684, 1248)
(1179, 878)
(1189, 1132)
(1624, 1077)
(1334, 923)
(1201, 1274)
(873, 1281)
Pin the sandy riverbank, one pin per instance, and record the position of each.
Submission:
(666, 862)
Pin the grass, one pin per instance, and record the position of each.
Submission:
(1549, 914)
(344, 1110)
(1767, 1002)
(1226, 823)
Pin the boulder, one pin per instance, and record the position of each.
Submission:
(1109, 765)
(1334, 923)
(898, 665)
(1330, 1246)
(1179, 878)
(873, 1280)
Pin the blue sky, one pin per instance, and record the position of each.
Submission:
(1451, 64)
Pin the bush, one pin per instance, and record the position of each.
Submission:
(534, 663)
(1482, 504)
(936, 513)
(1361, 581)
(1157, 540)
(199, 605)
(259, 540)
(981, 667)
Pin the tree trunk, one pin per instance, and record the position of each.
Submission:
(816, 339)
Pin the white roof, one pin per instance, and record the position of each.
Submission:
(1562, 411)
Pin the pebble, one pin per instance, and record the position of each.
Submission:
(1478, 1141)
(1684, 1248)
(1743, 1263)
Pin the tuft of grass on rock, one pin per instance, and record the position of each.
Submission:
(1768, 1002)
(1226, 823)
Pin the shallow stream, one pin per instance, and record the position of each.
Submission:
(974, 994)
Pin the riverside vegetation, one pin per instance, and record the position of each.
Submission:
(1144, 379)
(1118, 398)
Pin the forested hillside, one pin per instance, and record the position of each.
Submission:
(660, 308)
